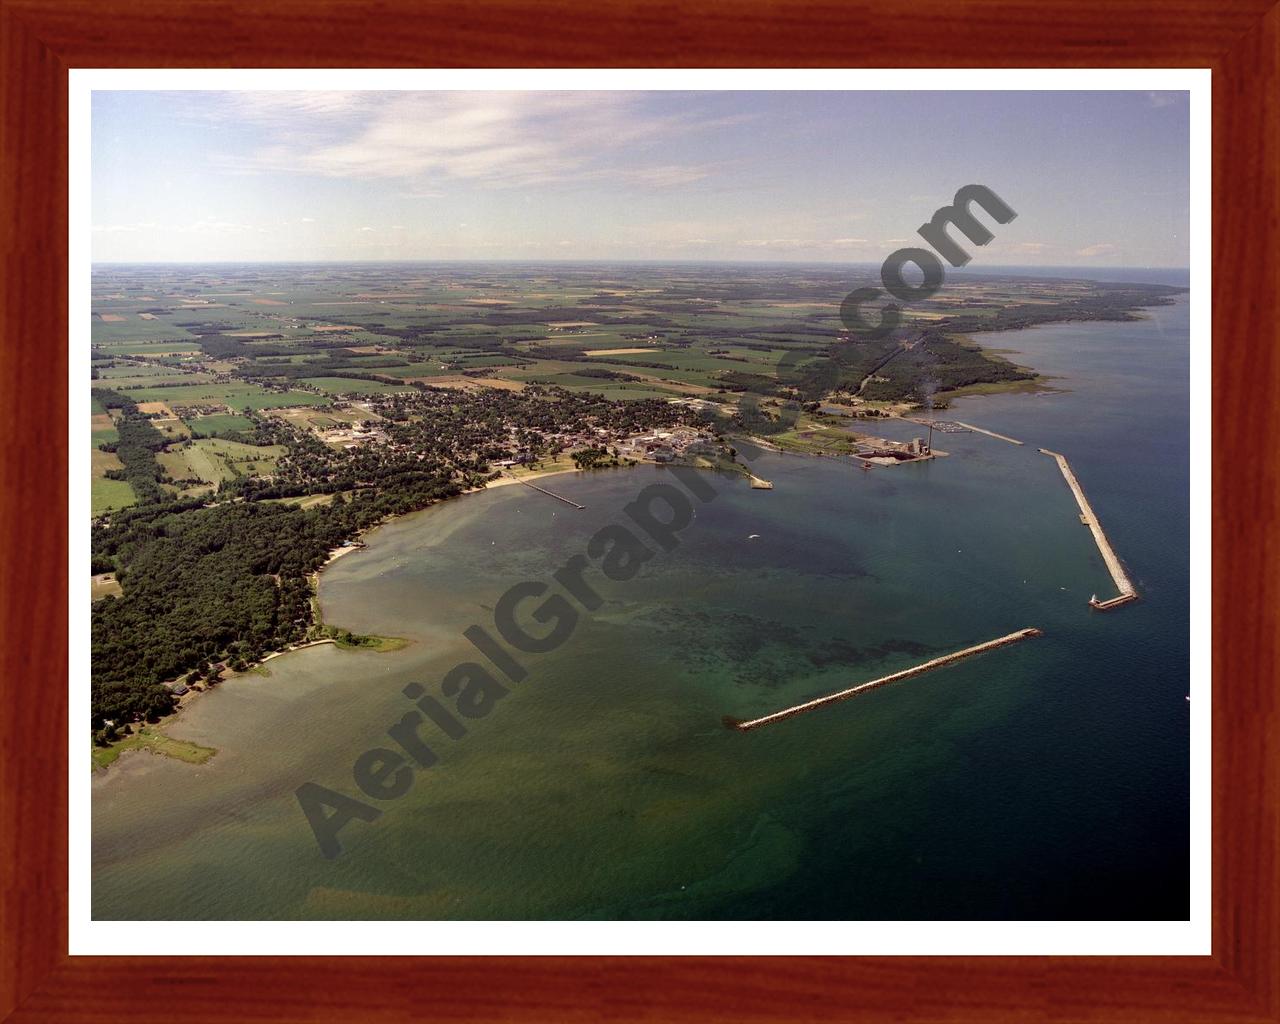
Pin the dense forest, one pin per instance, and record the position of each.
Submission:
(205, 586)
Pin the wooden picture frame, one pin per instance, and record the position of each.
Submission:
(42, 39)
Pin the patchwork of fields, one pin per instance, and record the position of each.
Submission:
(203, 350)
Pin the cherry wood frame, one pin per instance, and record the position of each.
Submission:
(41, 39)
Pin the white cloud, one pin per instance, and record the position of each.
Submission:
(1101, 249)
(500, 139)
(113, 229)
(205, 225)
(800, 244)
(286, 109)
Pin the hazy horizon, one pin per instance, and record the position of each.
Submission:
(1098, 179)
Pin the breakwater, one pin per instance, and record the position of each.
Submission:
(1128, 592)
(956, 427)
(907, 673)
(990, 433)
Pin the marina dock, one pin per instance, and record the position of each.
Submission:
(551, 494)
(928, 666)
(1128, 592)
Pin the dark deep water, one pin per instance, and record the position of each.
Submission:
(1047, 780)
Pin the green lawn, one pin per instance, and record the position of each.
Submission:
(237, 452)
(304, 500)
(214, 460)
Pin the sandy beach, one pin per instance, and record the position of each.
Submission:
(536, 474)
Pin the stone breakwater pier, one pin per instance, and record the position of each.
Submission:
(956, 427)
(990, 433)
(1128, 592)
(907, 673)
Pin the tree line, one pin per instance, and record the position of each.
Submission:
(136, 446)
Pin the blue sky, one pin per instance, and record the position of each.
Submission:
(1097, 178)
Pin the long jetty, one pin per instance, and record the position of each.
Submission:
(967, 426)
(551, 494)
(928, 666)
(991, 433)
(1128, 592)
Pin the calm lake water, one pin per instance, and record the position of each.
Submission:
(1048, 780)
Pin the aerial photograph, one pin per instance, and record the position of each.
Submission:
(639, 505)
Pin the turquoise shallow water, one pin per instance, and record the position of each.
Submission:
(1045, 780)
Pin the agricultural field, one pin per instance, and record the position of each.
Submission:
(100, 462)
(103, 428)
(206, 353)
(120, 377)
(129, 327)
(234, 396)
(351, 385)
(215, 424)
(107, 495)
(262, 332)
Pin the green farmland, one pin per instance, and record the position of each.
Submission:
(350, 385)
(134, 329)
(108, 495)
(237, 396)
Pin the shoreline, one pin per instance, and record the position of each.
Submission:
(537, 474)
(387, 644)
(111, 753)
